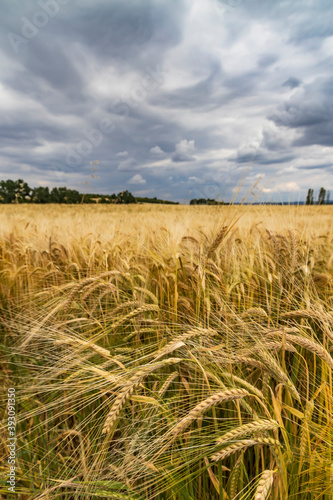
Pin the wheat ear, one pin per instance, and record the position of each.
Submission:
(241, 445)
(305, 428)
(264, 485)
(72, 340)
(127, 391)
(136, 312)
(220, 397)
(279, 374)
(235, 477)
(217, 241)
(179, 341)
(243, 430)
(244, 383)
(312, 346)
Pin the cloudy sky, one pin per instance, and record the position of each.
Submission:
(177, 99)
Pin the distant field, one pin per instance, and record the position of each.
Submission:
(168, 352)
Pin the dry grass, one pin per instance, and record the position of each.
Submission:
(168, 353)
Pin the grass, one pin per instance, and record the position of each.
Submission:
(168, 353)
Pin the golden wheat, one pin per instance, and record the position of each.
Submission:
(198, 410)
(241, 445)
(264, 485)
(252, 427)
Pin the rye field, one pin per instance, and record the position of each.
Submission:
(168, 352)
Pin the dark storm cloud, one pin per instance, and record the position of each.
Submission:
(310, 111)
(172, 98)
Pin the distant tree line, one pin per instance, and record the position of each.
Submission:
(155, 200)
(323, 197)
(20, 192)
(208, 201)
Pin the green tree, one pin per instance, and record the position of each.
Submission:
(14, 191)
(41, 195)
(309, 197)
(321, 196)
(125, 197)
(64, 195)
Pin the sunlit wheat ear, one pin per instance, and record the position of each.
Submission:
(312, 346)
(241, 445)
(153, 297)
(217, 241)
(252, 427)
(258, 312)
(197, 411)
(127, 391)
(247, 361)
(264, 485)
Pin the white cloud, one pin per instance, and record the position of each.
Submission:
(184, 151)
(137, 179)
(284, 187)
(156, 151)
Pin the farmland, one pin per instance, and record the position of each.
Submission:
(169, 353)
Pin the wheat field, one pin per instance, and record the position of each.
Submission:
(168, 353)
